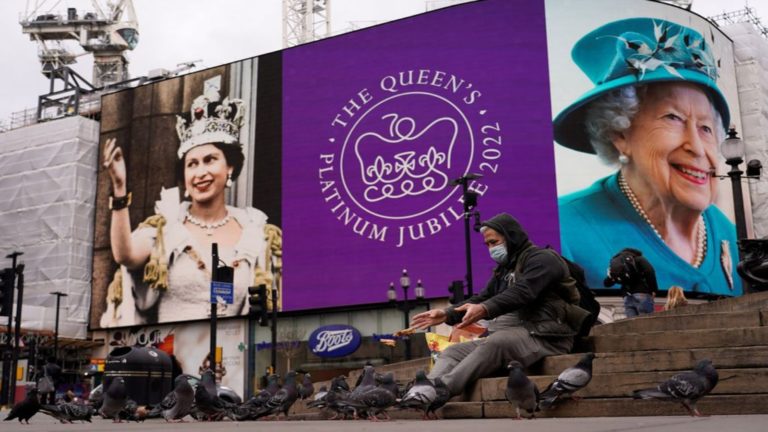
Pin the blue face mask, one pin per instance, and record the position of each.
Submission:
(499, 253)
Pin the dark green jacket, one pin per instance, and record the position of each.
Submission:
(529, 284)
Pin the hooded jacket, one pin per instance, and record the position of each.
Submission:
(527, 284)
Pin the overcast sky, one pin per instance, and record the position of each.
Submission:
(176, 31)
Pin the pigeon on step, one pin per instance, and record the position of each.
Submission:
(27, 408)
(178, 403)
(568, 382)
(281, 401)
(521, 392)
(686, 387)
(420, 395)
(68, 412)
(442, 395)
(114, 400)
(307, 388)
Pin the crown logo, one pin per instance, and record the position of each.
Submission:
(407, 163)
(210, 121)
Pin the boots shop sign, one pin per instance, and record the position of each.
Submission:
(334, 340)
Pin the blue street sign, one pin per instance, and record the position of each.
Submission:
(222, 292)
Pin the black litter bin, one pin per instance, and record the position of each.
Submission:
(146, 371)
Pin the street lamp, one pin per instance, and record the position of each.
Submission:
(470, 202)
(405, 305)
(58, 295)
(733, 150)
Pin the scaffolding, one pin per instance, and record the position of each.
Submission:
(744, 15)
(305, 21)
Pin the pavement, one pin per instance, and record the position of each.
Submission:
(742, 423)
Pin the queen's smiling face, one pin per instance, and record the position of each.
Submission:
(672, 144)
(205, 172)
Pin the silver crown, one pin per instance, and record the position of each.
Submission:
(210, 121)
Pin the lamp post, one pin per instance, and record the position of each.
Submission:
(470, 202)
(733, 150)
(405, 305)
(58, 295)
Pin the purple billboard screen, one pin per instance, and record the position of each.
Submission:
(376, 125)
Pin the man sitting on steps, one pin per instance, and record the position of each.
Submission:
(529, 301)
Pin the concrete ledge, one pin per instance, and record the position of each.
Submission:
(671, 360)
(732, 381)
(653, 323)
(625, 407)
(682, 339)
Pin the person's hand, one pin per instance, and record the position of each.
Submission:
(429, 318)
(114, 162)
(472, 314)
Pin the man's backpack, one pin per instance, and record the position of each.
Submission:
(587, 300)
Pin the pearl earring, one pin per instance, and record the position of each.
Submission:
(186, 193)
(229, 180)
(623, 159)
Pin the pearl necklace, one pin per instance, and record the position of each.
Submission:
(208, 227)
(701, 237)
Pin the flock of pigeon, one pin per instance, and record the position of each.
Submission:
(685, 387)
(371, 398)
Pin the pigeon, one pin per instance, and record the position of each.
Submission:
(420, 395)
(27, 408)
(443, 396)
(320, 394)
(307, 388)
(178, 403)
(376, 401)
(68, 412)
(387, 381)
(521, 392)
(210, 406)
(353, 403)
(339, 392)
(273, 384)
(209, 381)
(686, 387)
(368, 398)
(132, 412)
(568, 382)
(114, 400)
(282, 401)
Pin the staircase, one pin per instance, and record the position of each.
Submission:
(644, 351)
(639, 353)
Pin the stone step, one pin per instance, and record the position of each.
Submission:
(627, 407)
(653, 323)
(681, 339)
(670, 360)
(403, 371)
(599, 407)
(732, 381)
(746, 302)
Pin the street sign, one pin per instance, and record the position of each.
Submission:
(222, 292)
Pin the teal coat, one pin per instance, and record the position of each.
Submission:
(597, 222)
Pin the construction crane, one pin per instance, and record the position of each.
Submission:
(107, 32)
(305, 21)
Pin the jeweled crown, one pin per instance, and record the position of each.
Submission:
(210, 121)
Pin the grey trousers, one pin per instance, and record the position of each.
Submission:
(464, 363)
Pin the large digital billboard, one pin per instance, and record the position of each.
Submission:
(642, 95)
(336, 161)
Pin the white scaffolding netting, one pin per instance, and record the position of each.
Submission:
(751, 53)
(47, 195)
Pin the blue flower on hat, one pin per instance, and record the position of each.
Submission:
(667, 50)
(637, 51)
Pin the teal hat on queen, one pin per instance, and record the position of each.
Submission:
(637, 51)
